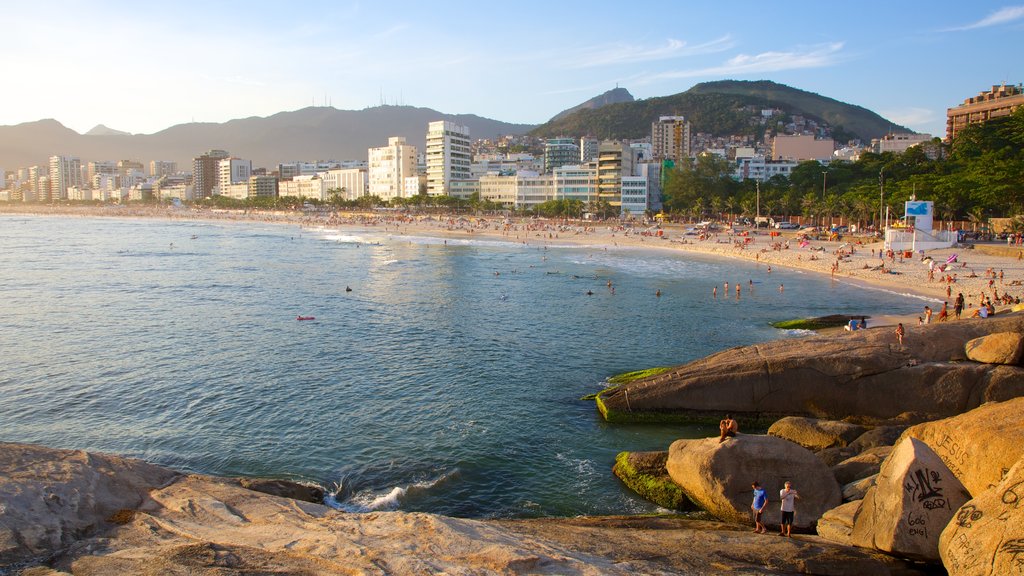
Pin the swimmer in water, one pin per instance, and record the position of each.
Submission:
(658, 293)
(714, 292)
(590, 292)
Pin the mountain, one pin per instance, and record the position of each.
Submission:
(614, 96)
(101, 130)
(718, 108)
(314, 133)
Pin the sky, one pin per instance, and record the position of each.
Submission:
(141, 66)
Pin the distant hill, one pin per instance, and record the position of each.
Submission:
(101, 130)
(314, 133)
(717, 108)
(613, 96)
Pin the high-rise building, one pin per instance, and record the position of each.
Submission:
(233, 171)
(65, 172)
(802, 147)
(347, 183)
(389, 167)
(588, 149)
(1000, 101)
(448, 156)
(206, 173)
(104, 167)
(158, 168)
(263, 186)
(670, 138)
(614, 160)
(560, 152)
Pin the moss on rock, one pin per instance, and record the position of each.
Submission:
(819, 323)
(645, 474)
(628, 377)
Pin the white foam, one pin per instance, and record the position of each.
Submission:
(371, 500)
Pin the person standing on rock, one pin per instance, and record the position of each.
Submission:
(728, 428)
(788, 497)
(899, 333)
(757, 507)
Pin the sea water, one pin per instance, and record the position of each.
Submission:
(448, 379)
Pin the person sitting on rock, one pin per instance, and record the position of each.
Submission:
(728, 428)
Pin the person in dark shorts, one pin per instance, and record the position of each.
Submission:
(788, 497)
(757, 507)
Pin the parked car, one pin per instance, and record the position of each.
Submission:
(786, 225)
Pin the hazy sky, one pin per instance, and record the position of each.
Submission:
(142, 66)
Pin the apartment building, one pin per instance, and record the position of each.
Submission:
(448, 156)
(995, 103)
(389, 167)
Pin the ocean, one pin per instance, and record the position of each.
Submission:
(447, 380)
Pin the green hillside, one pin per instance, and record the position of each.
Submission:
(719, 108)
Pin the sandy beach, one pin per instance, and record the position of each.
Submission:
(859, 260)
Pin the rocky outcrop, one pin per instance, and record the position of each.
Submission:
(986, 537)
(998, 348)
(836, 525)
(717, 476)
(645, 474)
(284, 489)
(858, 489)
(198, 525)
(815, 434)
(913, 499)
(862, 374)
(979, 446)
(51, 498)
(865, 464)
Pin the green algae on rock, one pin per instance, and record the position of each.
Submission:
(645, 474)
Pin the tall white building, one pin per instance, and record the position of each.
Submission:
(389, 167)
(448, 156)
(350, 183)
(65, 172)
(233, 171)
(641, 192)
(670, 138)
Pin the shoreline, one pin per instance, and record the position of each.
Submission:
(857, 262)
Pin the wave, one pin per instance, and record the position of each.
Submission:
(387, 499)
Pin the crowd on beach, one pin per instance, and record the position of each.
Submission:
(936, 274)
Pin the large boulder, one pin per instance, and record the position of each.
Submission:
(863, 375)
(913, 499)
(645, 474)
(836, 525)
(878, 436)
(858, 489)
(815, 434)
(987, 535)
(979, 446)
(998, 348)
(50, 498)
(284, 489)
(865, 464)
(717, 476)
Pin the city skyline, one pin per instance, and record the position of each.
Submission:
(142, 69)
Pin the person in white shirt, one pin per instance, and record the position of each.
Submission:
(788, 497)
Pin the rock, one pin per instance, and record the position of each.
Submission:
(835, 455)
(49, 498)
(986, 537)
(1004, 383)
(861, 374)
(202, 525)
(877, 436)
(913, 499)
(645, 474)
(979, 446)
(857, 489)
(836, 525)
(998, 348)
(815, 434)
(717, 477)
(865, 464)
(284, 489)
